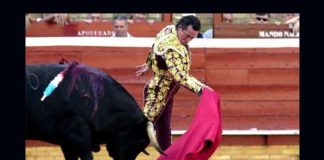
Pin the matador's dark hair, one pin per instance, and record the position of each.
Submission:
(186, 21)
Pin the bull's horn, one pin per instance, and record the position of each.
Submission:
(152, 137)
(145, 152)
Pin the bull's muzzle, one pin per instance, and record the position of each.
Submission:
(152, 136)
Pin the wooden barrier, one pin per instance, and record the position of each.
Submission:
(259, 87)
(226, 30)
(97, 29)
(226, 140)
(105, 29)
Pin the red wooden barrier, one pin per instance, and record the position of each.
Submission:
(105, 29)
(83, 29)
(230, 30)
(259, 87)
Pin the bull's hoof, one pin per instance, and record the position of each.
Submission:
(95, 148)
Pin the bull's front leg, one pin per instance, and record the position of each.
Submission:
(69, 153)
(77, 140)
(86, 155)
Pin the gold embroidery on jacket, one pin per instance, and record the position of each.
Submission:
(177, 59)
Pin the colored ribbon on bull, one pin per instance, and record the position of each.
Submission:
(57, 80)
(53, 84)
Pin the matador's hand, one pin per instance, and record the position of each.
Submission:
(142, 69)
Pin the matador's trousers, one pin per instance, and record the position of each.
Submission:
(163, 121)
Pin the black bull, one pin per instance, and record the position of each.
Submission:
(88, 108)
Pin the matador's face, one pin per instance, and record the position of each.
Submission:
(185, 35)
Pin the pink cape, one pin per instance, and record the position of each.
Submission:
(204, 134)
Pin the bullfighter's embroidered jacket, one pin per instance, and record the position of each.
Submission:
(170, 62)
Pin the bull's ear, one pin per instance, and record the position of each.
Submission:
(145, 152)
